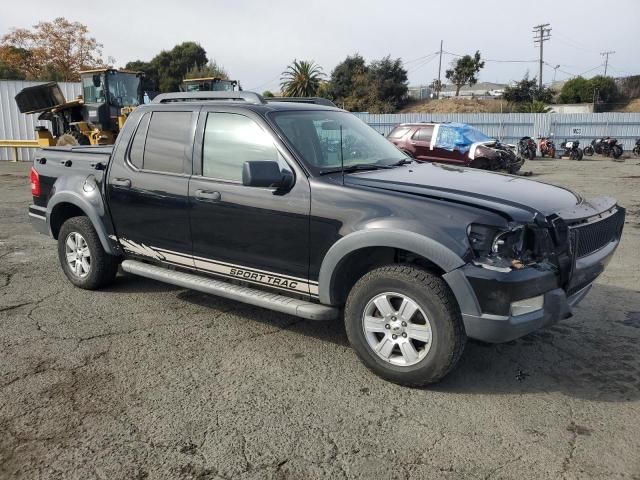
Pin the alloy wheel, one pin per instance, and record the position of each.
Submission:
(397, 329)
(78, 255)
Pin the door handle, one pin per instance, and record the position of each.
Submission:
(121, 182)
(207, 196)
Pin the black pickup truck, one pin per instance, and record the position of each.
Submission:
(303, 209)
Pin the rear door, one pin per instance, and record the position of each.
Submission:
(259, 235)
(421, 142)
(148, 186)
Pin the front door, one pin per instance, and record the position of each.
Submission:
(148, 187)
(258, 235)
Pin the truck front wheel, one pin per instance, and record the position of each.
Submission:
(83, 260)
(405, 325)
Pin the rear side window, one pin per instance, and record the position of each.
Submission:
(168, 142)
(229, 141)
(424, 134)
(137, 146)
(399, 132)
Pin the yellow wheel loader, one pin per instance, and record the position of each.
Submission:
(95, 118)
(209, 84)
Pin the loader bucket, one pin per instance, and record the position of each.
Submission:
(40, 98)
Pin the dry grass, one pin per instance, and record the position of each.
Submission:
(632, 107)
(458, 105)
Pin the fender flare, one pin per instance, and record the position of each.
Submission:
(413, 242)
(89, 210)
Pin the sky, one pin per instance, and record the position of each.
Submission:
(256, 40)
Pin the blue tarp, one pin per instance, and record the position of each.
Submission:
(459, 136)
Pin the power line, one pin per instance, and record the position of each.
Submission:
(542, 34)
(491, 59)
(422, 64)
(606, 61)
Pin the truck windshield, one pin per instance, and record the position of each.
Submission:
(324, 138)
(124, 89)
(210, 86)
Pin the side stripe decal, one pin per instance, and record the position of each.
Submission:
(229, 270)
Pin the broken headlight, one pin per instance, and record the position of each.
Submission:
(496, 248)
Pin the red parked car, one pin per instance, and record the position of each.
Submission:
(455, 143)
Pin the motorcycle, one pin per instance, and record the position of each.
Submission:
(527, 148)
(604, 146)
(547, 147)
(636, 149)
(571, 149)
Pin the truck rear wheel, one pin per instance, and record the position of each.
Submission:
(83, 260)
(404, 324)
(72, 137)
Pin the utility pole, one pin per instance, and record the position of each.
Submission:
(606, 59)
(543, 34)
(440, 70)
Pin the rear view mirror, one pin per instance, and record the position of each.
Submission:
(97, 81)
(330, 125)
(266, 174)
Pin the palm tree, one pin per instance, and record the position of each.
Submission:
(301, 79)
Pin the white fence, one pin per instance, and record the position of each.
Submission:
(510, 127)
(18, 126)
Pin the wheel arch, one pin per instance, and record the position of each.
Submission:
(355, 251)
(65, 205)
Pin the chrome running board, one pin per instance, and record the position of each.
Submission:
(259, 298)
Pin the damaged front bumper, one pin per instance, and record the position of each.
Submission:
(502, 306)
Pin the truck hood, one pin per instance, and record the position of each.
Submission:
(520, 198)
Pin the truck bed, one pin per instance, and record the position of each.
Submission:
(53, 162)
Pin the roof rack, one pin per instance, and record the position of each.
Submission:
(314, 100)
(248, 97)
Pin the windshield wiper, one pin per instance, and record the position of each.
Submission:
(358, 167)
(404, 161)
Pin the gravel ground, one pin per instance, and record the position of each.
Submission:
(145, 380)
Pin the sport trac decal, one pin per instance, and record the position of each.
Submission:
(229, 270)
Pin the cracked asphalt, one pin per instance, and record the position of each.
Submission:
(149, 381)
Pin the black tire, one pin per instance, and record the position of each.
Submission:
(580, 154)
(102, 266)
(636, 151)
(433, 296)
(616, 151)
(588, 151)
(72, 137)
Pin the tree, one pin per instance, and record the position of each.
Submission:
(268, 94)
(301, 79)
(581, 90)
(166, 70)
(464, 71)
(211, 69)
(604, 88)
(526, 91)
(535, 106)
(380, 87)
(59, 47)
(7, 72)
(389, 79)
(342, 82)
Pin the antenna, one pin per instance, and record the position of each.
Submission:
(341, 156)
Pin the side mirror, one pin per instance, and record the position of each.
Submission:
(265, 174)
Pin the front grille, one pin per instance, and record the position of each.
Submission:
(593, 236)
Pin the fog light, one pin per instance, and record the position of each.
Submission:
(527, 305)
